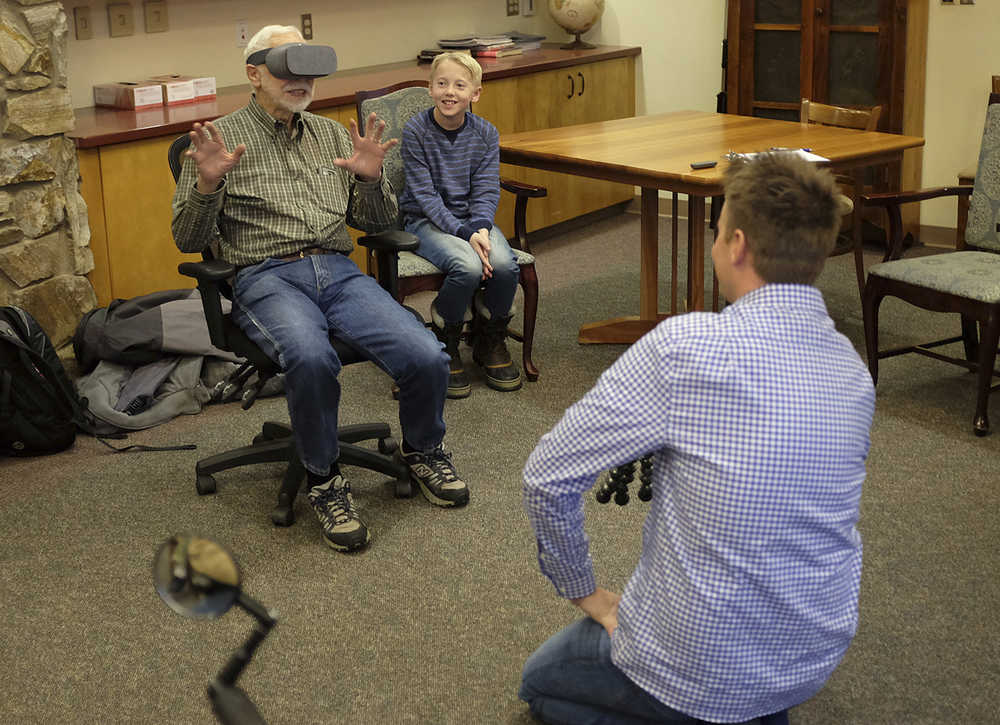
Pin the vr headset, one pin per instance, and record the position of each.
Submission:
(296, 60)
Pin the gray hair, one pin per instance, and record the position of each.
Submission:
(262, 38)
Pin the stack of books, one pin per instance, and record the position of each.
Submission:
(427, 55)
(499, 45)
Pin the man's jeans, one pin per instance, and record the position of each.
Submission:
(289, 308)
(571, 680)
(464, 270)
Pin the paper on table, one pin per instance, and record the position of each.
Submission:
(801, 153)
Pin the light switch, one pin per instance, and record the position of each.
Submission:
(120, 20)
(81, 22)
(156, 16)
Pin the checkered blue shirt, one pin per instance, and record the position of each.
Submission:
(745, 597)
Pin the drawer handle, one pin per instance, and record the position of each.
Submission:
(572, 87)
(583, 84)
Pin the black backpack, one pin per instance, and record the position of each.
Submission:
(39, 408)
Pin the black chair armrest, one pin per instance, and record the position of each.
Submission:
(212, 270)
(211, 275)
(387, 245)
(522, 192)
(892, 200)
(391, 240)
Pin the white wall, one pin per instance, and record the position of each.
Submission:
(202, 35)
(681, 63)
(963, 53)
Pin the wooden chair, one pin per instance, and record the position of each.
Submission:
(408, 273)
(825, 115)
(965, 281)
(850, 238)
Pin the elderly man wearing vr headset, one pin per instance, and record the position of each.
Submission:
(274, 187)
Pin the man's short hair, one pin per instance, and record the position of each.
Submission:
(463, 59)
(262, 38)
(789, 211)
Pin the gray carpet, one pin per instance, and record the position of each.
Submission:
(433, 622)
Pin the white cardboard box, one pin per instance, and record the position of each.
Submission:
(175, 92)
(129, 95)
(204, 87)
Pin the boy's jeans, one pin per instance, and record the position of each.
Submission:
(288, 308)
(571, 680)
(464, 270)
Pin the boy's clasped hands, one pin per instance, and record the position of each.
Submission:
(480, 242)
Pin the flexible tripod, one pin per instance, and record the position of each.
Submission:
(619, 478)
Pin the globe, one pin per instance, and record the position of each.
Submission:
(576, 17)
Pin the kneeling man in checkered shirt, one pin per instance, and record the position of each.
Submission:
(745, 596)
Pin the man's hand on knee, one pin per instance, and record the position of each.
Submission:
(602, 607)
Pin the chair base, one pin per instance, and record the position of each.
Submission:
(275, 444)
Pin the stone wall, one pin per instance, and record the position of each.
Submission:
(44, 234)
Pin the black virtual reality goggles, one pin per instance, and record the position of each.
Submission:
(296, 60)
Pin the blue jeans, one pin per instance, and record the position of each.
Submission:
(464, 270)
(288, 308)
(571, 680)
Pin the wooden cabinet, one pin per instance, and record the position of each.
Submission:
(842, 52)
(598, 91)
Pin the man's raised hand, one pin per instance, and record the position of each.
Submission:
(369, 151)
(210, 155)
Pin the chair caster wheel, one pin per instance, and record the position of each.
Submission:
(387, 446)
(282, 517)
(404, 488)
(259, 439)
(205, 484)
(981, 426)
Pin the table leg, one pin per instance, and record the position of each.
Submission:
(856, 230)
(696, 252)
(631, 328)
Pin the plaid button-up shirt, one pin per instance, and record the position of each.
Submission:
(745, 597)
(284, 194)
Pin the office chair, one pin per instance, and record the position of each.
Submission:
(407, 273)
(963, 281)
(275, 442)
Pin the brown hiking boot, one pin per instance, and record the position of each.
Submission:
(458, 380)
(490, 352)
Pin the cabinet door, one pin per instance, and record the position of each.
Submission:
(774, 63)
(138, 188)
(859, 56)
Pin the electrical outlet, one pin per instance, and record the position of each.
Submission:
(527, 7)
(81, 22)
(242, 36)
(513, 7)
(156, 16)
(120, 20)
(307, 26)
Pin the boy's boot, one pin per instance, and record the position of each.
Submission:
(451, 335)
(489, 349)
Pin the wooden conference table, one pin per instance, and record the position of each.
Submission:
(656, 152)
